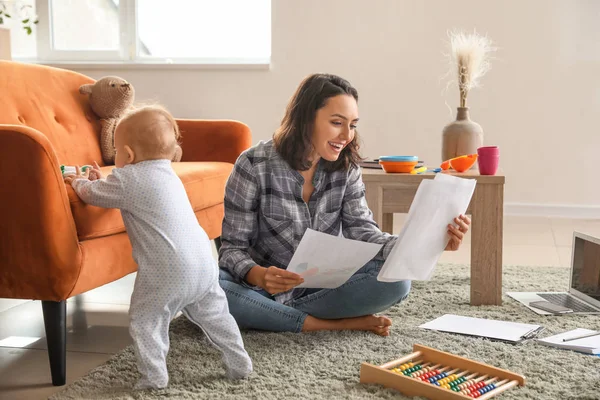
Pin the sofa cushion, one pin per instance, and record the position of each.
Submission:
(204, 183)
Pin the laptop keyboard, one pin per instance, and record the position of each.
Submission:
(565, 300)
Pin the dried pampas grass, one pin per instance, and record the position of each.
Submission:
(470, 55)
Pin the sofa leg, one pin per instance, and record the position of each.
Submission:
(55, 322)
(218, 242)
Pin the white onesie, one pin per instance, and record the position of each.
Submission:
(176, 269)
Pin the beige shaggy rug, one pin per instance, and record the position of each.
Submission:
(325, 365)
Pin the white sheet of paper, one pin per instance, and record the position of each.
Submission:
(494, 329)
(326, 261)
(425, 233)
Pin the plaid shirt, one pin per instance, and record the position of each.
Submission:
(266, 217)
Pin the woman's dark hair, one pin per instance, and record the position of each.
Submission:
(293, 138)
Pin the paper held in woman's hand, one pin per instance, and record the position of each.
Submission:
(425, 233)
(326, 261)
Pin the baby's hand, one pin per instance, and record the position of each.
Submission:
(70, 178)
(95, 172)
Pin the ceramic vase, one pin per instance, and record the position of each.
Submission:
(461, 137)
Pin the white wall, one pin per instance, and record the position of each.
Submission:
(540, 102)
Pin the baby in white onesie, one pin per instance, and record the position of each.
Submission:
(176, 269)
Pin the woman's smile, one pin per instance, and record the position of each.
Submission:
(337, 146)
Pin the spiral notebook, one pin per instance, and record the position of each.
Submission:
(511, 332)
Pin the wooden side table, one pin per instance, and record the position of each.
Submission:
(393, 193)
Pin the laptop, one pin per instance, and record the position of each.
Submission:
(583, 295)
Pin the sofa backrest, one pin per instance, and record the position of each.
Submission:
(48, 99)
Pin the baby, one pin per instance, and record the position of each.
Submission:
(176, 269)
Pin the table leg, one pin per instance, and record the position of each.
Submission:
(486, 247)
(387, 224)
(374, 196)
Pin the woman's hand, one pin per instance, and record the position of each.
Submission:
(272, 279)
(457, 234)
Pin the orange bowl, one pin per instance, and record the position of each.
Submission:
(463, 163)
(398, 166)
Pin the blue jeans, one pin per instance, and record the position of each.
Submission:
(361, 295)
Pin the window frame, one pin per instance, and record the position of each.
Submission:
(128, 52)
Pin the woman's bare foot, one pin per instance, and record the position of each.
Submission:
(373, 323)
(379, 325)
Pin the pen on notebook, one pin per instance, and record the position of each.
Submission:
(581, 336)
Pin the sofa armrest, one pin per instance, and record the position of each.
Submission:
(213, 140)
(40, 256)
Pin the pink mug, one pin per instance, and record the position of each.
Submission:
(488, 158)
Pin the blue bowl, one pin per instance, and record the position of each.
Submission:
(399, 158)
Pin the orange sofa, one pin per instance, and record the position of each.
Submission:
(52, 246)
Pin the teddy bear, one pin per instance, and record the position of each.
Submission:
(110, 97)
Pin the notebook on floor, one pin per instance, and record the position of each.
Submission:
(589, 345)
(511, 332)
(583, 294)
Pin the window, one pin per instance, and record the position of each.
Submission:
(152, 31)
(96, 25)
(206, 28)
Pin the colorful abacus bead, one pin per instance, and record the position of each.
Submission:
(447, 379)
(432, 379)
(437, 377)
(476, 386)
(452, 382)
(489, 387)
(406, 366)
(458, 381)
(484, 389)
(419, 372)
(429, 374)
(412, 369)
(426, 376)
(472, 387)
(466, 384)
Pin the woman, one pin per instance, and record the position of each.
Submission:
(305, 177)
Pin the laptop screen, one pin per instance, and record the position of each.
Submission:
(586, 268)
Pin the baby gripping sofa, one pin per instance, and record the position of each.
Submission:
(52, 246)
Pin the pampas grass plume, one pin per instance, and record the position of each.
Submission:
(469, 56)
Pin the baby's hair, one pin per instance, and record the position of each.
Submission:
(152, 131)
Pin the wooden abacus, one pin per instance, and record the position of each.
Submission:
(438, 375)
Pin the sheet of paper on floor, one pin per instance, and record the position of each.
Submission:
(424, 235)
